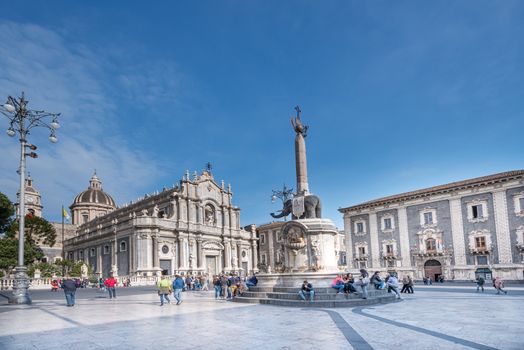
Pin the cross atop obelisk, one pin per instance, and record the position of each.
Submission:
(300, 153)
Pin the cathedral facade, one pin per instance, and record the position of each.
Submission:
(190, 228)
(457, 231)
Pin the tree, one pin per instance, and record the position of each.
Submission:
(7, 210)
(37, 231)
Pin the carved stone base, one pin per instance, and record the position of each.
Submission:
(20, 287)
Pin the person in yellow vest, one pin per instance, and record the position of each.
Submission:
(164, 289)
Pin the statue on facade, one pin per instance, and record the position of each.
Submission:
(155, 211)
(83, 270)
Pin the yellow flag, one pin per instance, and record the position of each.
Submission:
(65, 214)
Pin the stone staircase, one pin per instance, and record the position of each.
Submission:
(324, 297)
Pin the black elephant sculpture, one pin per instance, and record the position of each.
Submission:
(312, 209)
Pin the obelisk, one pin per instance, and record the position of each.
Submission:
(300, 154)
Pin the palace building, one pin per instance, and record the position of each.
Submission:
(458, 230)
(192, 227)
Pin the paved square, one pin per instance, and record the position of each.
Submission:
(440, 317)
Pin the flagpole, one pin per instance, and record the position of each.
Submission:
(63, 252)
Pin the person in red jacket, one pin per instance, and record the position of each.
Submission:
(111, 283)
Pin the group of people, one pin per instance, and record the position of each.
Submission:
(230, 286)
(165, 287)
(70, 285)
(498, 284)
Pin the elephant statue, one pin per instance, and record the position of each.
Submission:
(312, 208)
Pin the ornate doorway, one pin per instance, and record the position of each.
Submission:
(433, 269)
(211, 265)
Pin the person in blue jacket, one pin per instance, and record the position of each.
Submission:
(178, 285)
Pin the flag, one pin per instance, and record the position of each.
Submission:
(65, 215)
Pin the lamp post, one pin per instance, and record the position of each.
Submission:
(283, 195)
(21, 121)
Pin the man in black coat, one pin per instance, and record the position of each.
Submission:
(69, 287)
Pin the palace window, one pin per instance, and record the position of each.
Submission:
(80, 254)
(480, 242)
(361, 251)
(482, 260)
(123, 246)
(92, 252)
(476, 211)
(106, 249)
(85, 218)
(389, 249)
(362, 264)
(390, 263)
(262, 238)
(263, 259)
(431, 245)
(360, 227)
(428, 218)
(387, 224)
(279, 235)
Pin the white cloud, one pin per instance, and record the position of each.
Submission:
(59, 76)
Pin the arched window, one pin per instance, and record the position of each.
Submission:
(123, 246)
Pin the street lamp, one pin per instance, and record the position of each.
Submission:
(283, 195)
(21, 120)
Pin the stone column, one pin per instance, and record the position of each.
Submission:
(177, 256)
(156, 260)
(132, 254)
(227, 255)
(405, 248)
(182, 245)
(99, 260)
(239, 255)
(199, 254)
(254, 254)
(349, 242)
(457, 231)
(373, 236)
(301, 164)
(502, 226)
(114, 258)
(271, 249)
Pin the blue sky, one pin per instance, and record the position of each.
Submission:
(398, 95)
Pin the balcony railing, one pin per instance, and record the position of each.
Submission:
(361, 257)
(485, 249)
(431, 252)
(389, 256)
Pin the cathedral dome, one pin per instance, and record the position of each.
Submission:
(94, 194)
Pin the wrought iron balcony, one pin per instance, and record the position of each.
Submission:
(389, 256)
(486, 249)
(361, 257)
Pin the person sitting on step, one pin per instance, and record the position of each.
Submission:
(338, 284)
(306, 289)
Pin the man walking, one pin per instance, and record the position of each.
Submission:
(69, 286)
(178, 285)
(164, 289)
(480, 284)
(110, 283)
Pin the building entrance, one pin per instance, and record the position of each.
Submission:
(211, 265)
(433, 269)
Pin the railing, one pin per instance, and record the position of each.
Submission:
(45, 283)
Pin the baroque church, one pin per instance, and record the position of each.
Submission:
(192, 227)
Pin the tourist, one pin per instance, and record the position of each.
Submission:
(69, 287)
(410, 285)
(229, 283)
(393, 285)
(217, 285)
(189, 282)
(498, 283)
(54, 286)
(252, 281)
(376, 281)
(480, 283)
(306, 290)
(204, 282)
(364, 282)
(110, 283)
(405, 284)
(164, 289)
(349, 284)
(338, 284)
(223, 285)
(178, 286)
(101, 283)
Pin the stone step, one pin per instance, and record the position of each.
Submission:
(318, 296)
(329, 303)
(318, 291)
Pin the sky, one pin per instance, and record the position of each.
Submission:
(398, 95)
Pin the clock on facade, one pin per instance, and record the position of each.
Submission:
(30, 199)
